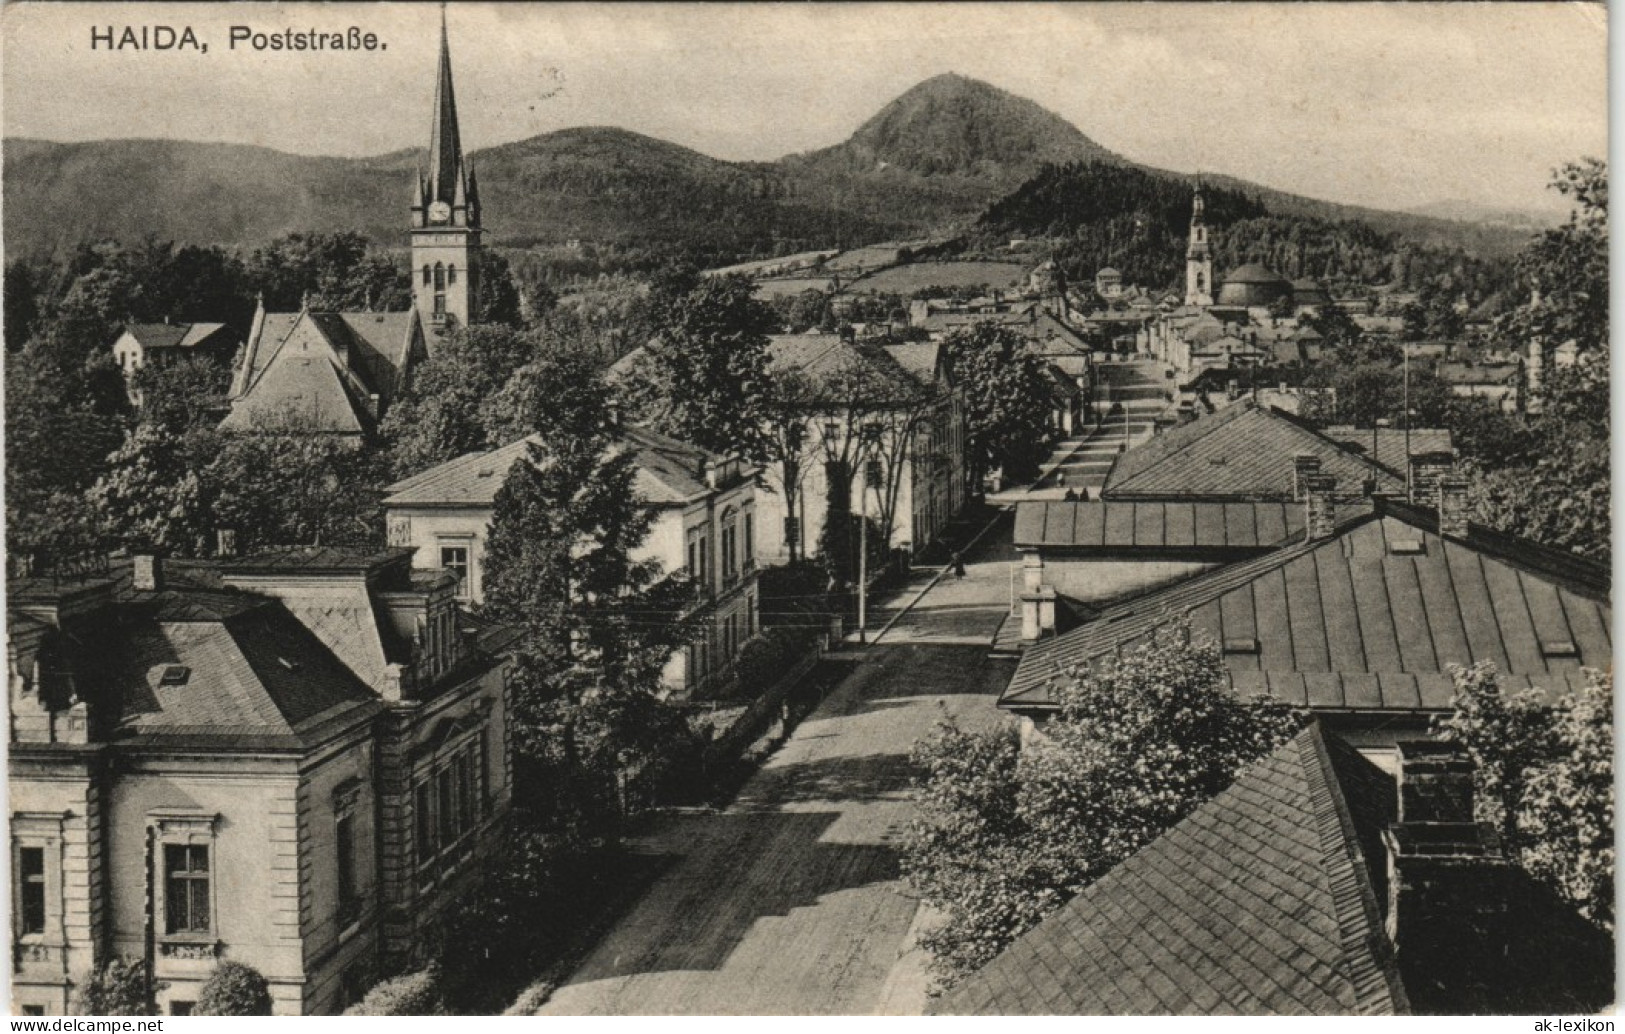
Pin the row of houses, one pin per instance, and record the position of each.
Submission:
(1347, 872)
(1337, 573)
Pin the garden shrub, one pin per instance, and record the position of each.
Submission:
(410, 994)
(234, 989)
(117, 989)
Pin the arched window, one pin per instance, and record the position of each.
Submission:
(451, 274)
(425, 274)
(439, 277)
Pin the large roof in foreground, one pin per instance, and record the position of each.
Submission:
(1266, 900)
(1243, 451)
(1370, 619)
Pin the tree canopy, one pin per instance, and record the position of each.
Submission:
(1004, 836)
(1007, 397)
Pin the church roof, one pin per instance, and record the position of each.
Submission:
(1254, 273)
(321, 368)
(445, 142)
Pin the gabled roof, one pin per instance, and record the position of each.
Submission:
(921, 359)
(668, 473)
(1243, 451)
(302, 388)
(1266, 900)
(1369, 619)
(173, 335)
(323, 367)
(823, 358)
(1161, 526)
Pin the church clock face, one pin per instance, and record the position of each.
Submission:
(439, 212)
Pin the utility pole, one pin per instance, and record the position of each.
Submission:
(1409, 491)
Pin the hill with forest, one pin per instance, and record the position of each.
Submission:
(932, 160)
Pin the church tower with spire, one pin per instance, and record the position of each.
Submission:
(1198, 257)
(446, 216)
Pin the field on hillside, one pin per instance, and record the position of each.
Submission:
(905, 280)
(767, 290)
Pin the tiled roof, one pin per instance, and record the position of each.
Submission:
(1391, 442)
(919, 358)
(258, 672)
(173, 335)
(1368, 619)
(1114, 525)
(668, 472)
(300, 389)
(1243, 451)
(321, 367)
(824, 357)
(1263, 901)
(316, 558)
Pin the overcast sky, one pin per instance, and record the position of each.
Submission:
(1387, 105)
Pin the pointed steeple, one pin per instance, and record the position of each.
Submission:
(445, 145)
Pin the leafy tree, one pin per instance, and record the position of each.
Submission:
(1365, 393)
(234, 989)
(1545, 779)
(705, 371)
(289, 484)
(118, 988)
(153, 493)
(598, 625)
(1007, 398)
(440, 415)
(61, 423)
(1004, 836)
(499, 295)
(1562, 497)
(788, 408)
(332, 271)
(22, 303)
(187, 393)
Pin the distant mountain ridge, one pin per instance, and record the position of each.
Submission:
(933, 159)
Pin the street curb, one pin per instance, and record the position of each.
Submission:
(874, 639)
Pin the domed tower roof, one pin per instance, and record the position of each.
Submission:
(1254, 286)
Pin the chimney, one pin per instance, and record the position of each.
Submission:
(147, 573)
(1448, 880)
(225, 542)
(709, 471)
(1453, 506)
(612, 414)
(1427, 468)
(1304, 466)
(1320, 508)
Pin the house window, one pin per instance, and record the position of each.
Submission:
(451, 274)
(440, 303)
(465, 790)
(31, 890)
(181, 1008)
(447, 824)
(423, 811)
(750, 542)
(33, 1010)
(186, 888)
(349, 896)
(455, 560)
(426, 275)
(439, 277)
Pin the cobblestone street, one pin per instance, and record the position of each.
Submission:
(790, 901)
